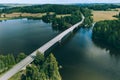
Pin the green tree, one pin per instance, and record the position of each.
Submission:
(20, 57)
(52, 68)
(39, 59)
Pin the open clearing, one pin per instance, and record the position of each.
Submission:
(104, 15)
(22, 15)
(62, 15)
(11, 15)
(32, 15)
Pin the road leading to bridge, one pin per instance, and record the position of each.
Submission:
(18, 67)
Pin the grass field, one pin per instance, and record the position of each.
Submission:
(4, 18)
(104, 15)
(62, 15)
(32, 15)
(24, 15)
(18, 15)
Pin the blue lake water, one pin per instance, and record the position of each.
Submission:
(79, 56)
(23, 35)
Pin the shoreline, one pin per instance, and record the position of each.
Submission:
(21, 15)
(5, 16)
(101, 43)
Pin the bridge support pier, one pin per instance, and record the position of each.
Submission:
(59, 42)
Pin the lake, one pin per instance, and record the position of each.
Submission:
(23, 35)
(82, 59)
(79, 56)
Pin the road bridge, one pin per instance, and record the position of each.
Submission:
(18, 67)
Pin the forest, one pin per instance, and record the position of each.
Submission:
(99, 6)
(58, 9)
(42, 68)
(108, 32)
(9, 60)
(61, 23)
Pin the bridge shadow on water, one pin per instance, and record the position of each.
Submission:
(63, 41)
(82, 59)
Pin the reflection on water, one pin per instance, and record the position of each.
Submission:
(22, 35)
(83, 60)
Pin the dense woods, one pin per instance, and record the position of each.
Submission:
(43, 68)
(58, 9)
(7, 61)
(88, 17)
(65, 22)
(62, 23)
(108, 32)
(99, 6)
